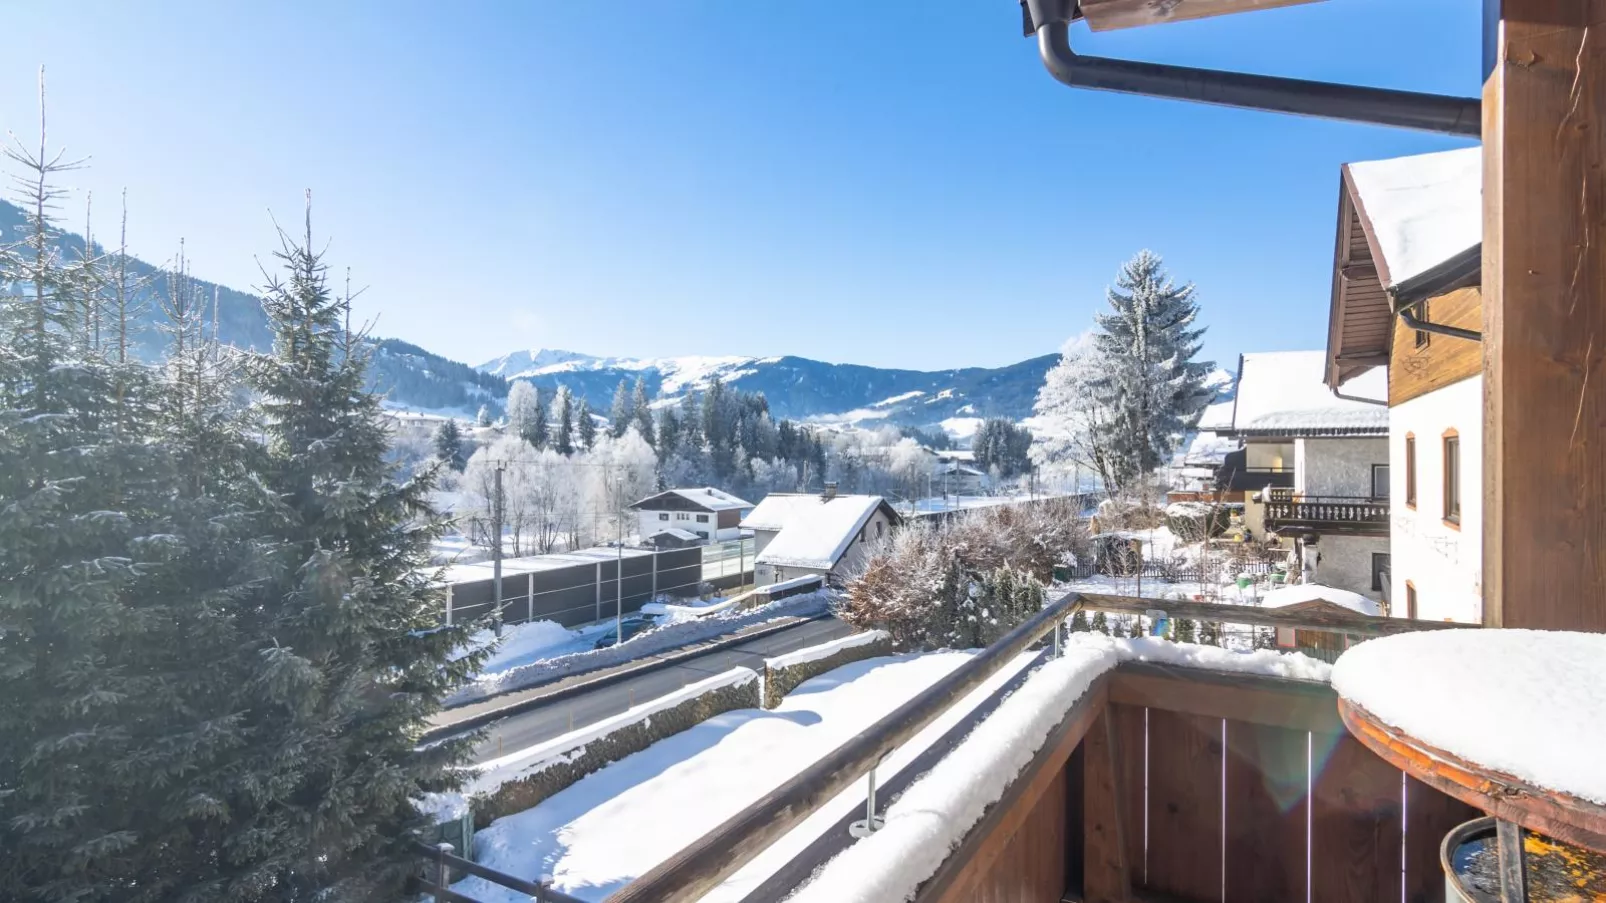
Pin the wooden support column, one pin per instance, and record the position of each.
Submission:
(1544, 284)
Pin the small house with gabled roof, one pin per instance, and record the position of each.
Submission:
(712, 515)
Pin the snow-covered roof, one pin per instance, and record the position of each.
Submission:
(779, 509)
(1216, 416)
(1423, 209)
(676, 532)
(705, 497)
(1282, 393)
(1529, 703)
(1315, 592)
(819, 534)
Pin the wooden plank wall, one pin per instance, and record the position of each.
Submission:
(1225, 809)
(1416, 370)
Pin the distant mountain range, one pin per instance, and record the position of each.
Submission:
(414, 378)
(798, 387)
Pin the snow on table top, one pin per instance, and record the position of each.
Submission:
(1313, 592)
(1529, 703)
(613, 825)
(1284, 390)
(825, 650)
(937, 811)
(818, 536)
(1424, 209)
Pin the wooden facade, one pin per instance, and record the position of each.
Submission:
(1422, 363)
(1360, 317)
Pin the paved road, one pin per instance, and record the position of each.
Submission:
(525, 729)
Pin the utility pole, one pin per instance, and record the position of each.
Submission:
(496, 550)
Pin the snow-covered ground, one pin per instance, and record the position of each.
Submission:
(614, 825)
(533, 641)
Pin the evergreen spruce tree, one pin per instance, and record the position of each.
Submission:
(563, 441)
(540, 426)
(448, 445)
(668, 432)
(642, 408)
(622, 412)
(1135, 628)
(1101, 624)
(587, 426)
(353, 657)
(1079, 622)
(1182, 630)
(1209, 633)
(1151, 382)
(691, 422)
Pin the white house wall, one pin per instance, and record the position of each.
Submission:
(1443, 563)
(653, 521)
(1337, 467)
(1346, 562)
(853, 558)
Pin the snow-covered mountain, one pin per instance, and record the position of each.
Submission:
(798, 387)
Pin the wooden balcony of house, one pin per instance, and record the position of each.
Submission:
(1358, 515)
(1160, 783)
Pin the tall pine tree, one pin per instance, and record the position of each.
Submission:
(563, 441)
(354, 658)
(1151, 382)
(622, 412)
(643, 411)
(587, 427)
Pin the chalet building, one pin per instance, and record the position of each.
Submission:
(706, 513)
(797, 534)
(1409, 249)
(1324, 459)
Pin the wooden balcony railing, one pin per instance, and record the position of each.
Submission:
(1160, 784)
(1333, 513)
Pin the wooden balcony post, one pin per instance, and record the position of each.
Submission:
(1105, 868)
(1544, 284)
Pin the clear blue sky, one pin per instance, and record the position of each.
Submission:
(868, 182)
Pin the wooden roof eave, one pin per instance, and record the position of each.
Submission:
(1350, 276)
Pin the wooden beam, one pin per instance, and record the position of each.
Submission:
(1544, 283)
(1253, 698)
(1363, 625)
(1107, 15)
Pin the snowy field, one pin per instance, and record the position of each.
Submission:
(614, 825)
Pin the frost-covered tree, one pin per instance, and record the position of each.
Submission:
(448, 444)
(623, 411)
(642, 410)
(483, 418)
(353, 656)
(587, 426)
(1150, 381)
(1074, 418)
(1002, 445)
(523, 403)
(563, 439)
(619, 472)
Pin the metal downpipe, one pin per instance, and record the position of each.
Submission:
(1351, 103)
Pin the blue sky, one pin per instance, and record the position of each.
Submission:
(864, 182)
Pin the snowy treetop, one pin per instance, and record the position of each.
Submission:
(1424, 209)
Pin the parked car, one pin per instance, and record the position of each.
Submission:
(632, 626)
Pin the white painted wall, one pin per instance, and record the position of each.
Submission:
(653, 521)
(1346, 562)
(1443, 563)
(1341, 467)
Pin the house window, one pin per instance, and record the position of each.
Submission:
(702, 518)
(1380, 572)
(703, 533)
(663, 515)
(1380, 481)
(1410, 600)
(681, 515)
(861, 534)
(1421, 336)
(1410, 471)
(879, 529)
(1452, 477)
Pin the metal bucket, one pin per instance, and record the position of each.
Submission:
(1555, 871)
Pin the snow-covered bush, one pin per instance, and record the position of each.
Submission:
(925, 582)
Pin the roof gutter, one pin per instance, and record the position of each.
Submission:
(1050, 20)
